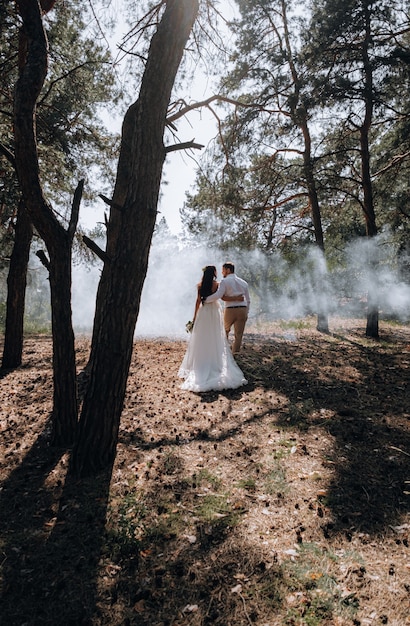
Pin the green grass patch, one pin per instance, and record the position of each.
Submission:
(126, 526)
(35, 327)
(216, 509)
(284, 448)
(275, 481)
(247, 483)
(205, 478)
(312, 579)
(295, 324)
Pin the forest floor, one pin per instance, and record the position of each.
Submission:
(285, 502)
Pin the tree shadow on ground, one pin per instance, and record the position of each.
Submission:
(353, 389)
(358, 393)
(68, 568)
(179, 583)
(52, 528)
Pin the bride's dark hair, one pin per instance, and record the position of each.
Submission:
(205, 288)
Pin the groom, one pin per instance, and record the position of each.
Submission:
(236, 312)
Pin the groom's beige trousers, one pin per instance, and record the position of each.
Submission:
(235, 316)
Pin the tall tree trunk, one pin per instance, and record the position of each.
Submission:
(130, 229)
(321, 277)
(372, 326)
(300, 117)
(33, 68)
(65, 405)
(16, 290)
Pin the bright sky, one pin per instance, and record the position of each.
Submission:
(180, 166)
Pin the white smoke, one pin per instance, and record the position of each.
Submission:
(278, 290)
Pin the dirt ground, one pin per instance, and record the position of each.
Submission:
(285, 502)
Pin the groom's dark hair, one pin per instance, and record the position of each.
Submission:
(230, 267)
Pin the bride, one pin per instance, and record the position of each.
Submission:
(208, 363)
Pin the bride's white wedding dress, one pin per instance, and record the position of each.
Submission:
(208, 363)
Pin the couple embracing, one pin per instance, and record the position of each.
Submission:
(208, 363)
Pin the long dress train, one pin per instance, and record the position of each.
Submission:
(208, 363)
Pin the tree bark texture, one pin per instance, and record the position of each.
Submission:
(33, 69)
(16, 290)
(372, 325)
(320, 283)
(129, 233)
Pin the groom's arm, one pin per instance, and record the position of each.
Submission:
(218, 293)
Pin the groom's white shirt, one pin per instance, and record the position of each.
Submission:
(231, 285)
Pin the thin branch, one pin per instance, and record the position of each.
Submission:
(110, 202)
(395, 160)
(43, 258)
(130, 53)
(8, 154)
(75, 209)
(205, 103)
(149, 20)
(63, 77)
(8, 114)
(276, 205)
(184, 146)
(96, 249)
(100, 28)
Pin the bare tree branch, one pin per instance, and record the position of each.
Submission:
(394, 161)
(75, 209)
(184, 146)
(95, 248)
(217, 98)
(276, 205)
(110, 202)
(63, 77)
(43, 258)
(8, 155)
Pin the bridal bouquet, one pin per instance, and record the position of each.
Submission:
(189, 326)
